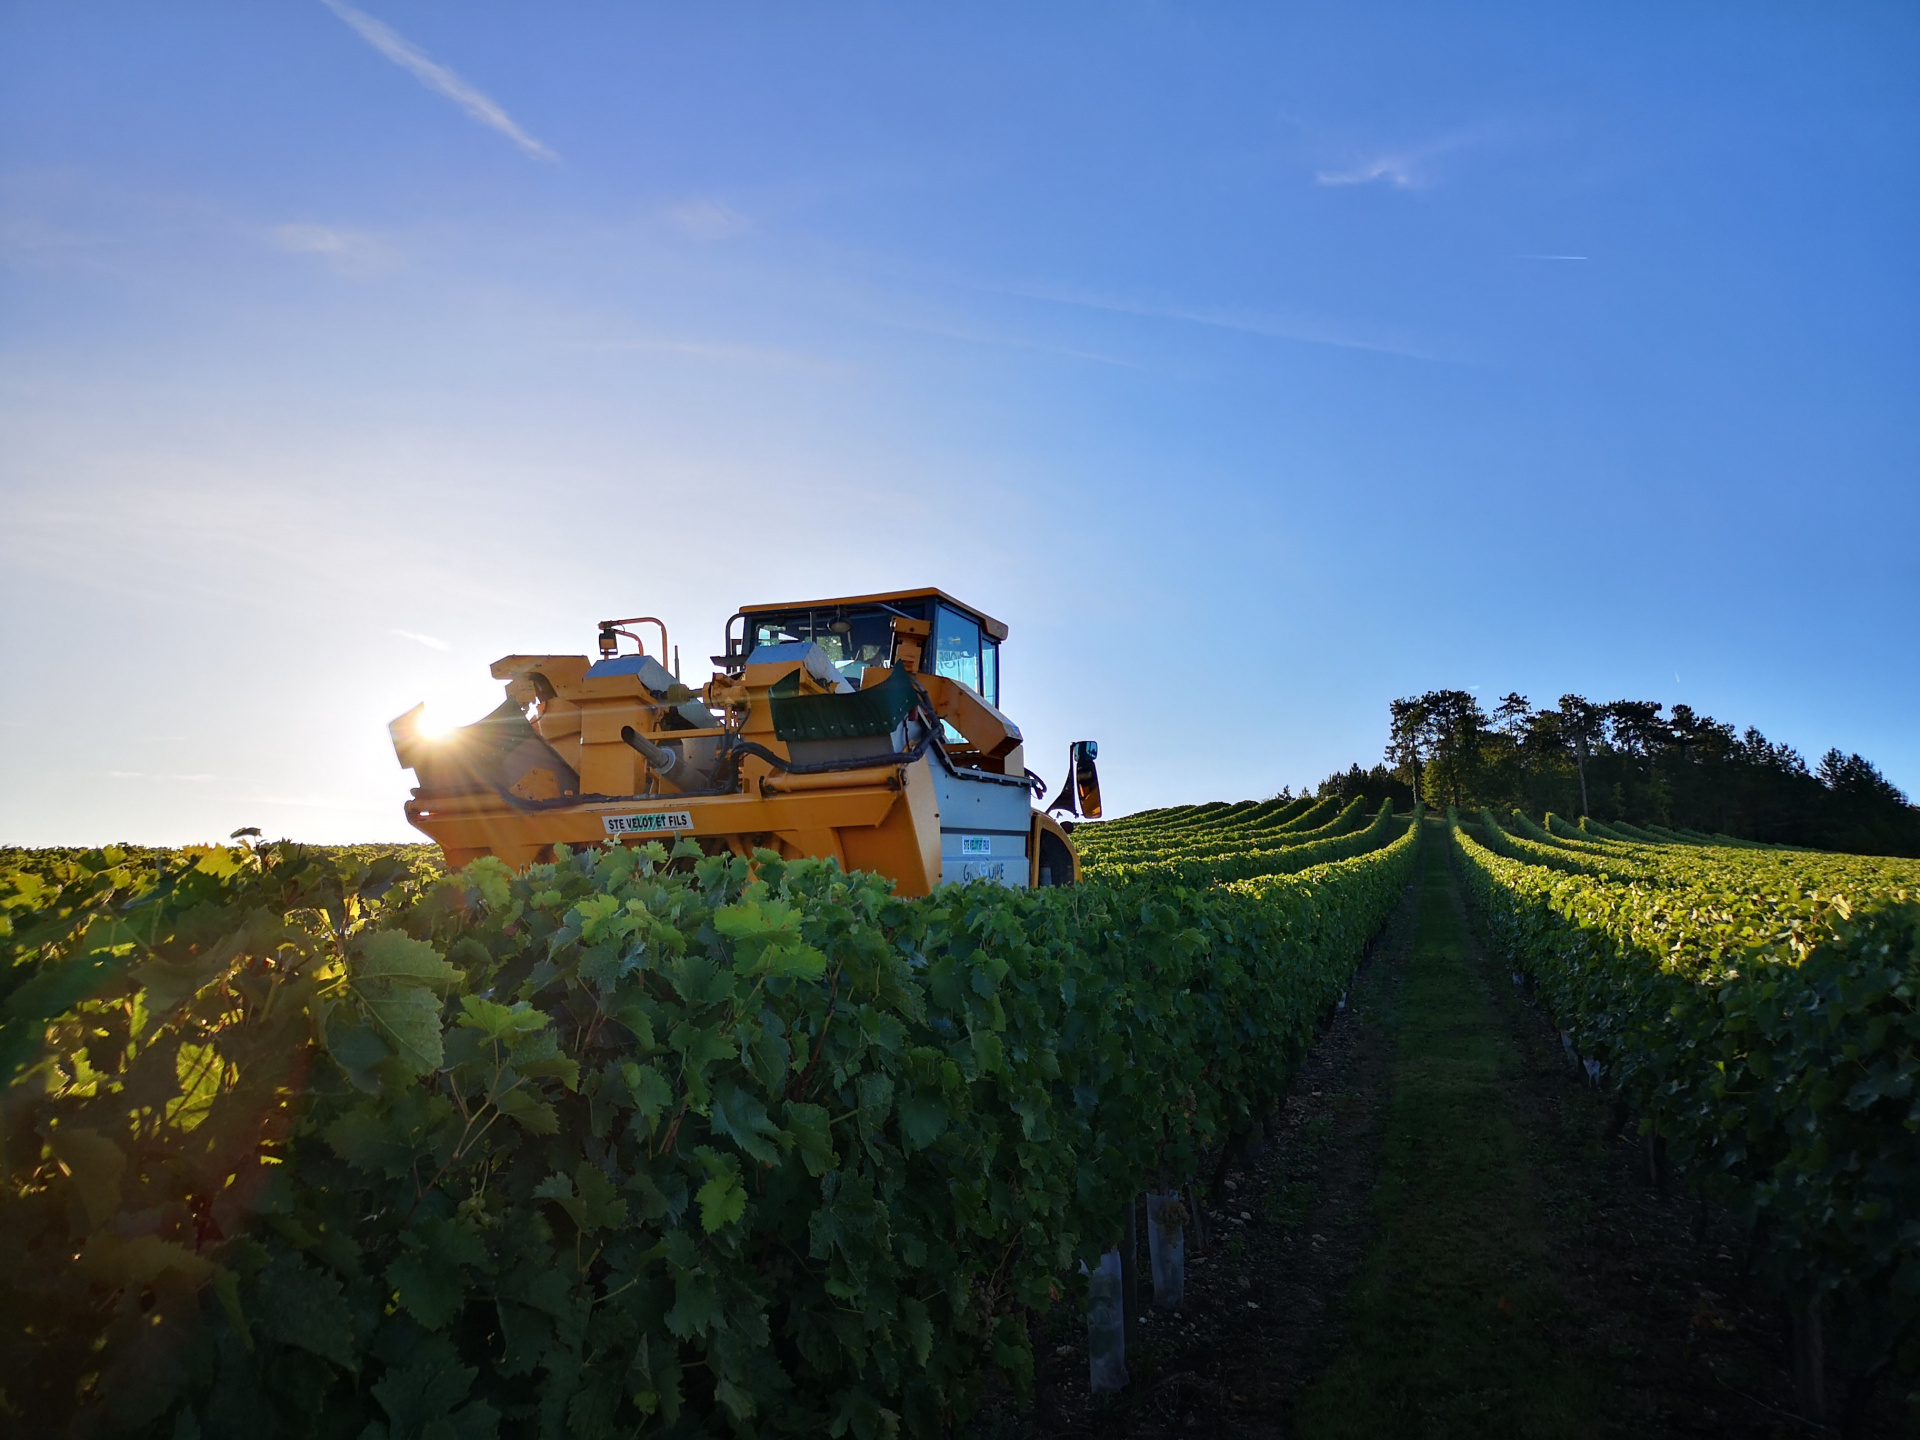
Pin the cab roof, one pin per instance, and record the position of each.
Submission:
(995, 629)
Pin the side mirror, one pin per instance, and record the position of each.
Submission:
(1081, 794)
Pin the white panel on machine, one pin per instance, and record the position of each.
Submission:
(984, 826)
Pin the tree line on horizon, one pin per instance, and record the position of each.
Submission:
(1632, 760)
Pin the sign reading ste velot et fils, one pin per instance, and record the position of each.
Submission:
(654, 822)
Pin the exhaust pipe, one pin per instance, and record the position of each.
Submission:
(667, 764)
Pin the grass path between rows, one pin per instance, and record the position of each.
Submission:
(1449, 1326)
(1452, 1235)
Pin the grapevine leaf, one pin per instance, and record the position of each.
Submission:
(398, 959)
(361, 1139)
(226, 1289)
(597, 1206)
(96, 1164)
(738, 1401)
(20, 1043)
(766, 936)
(723, 1199)
(697, 979)
(651, 1093)
(409, 1017)
(299, 1305)
(356, 1049)
(430, 1279)
(696, 1304)
(528, 1110)
(423, 1393)
(113, 1262)
(386, 1139)
(633, 1014)
(919, 1329)
(58, 987)
(701, 1046)
(989, 1053)
(650, 1201)
(876, 1099)
(742, 1117)
(538, 1054)
(497, 1021)
(809, 1125)
(601, 1207)
(921, 1120)
(429, 1296)
(396, 977)
(168, 982)
(491, 877)
(219, 861)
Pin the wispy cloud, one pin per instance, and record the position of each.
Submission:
(1553, 257)
(1306, 331)
(1396, 170)
(431, 642)
(33, 241)
(1402, 169)
(723, 351)
(351, 253)
(438, 78)
(707, 219)
(969, 334)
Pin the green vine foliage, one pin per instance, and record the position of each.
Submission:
(1250, 856)
(1235, 836)
(1762, 1011)
(302, 1142)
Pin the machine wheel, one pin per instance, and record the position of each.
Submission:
(1056, 865)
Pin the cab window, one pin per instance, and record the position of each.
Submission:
(853, 639)
(990, 671)
(776, 632)
(956, 647)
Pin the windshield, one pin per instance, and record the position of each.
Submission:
(853, 639)
(858, 636)
(956, 647)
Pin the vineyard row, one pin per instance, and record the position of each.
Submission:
(308, 1142)
(1757, 1007)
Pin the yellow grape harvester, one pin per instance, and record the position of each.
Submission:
(866, 728)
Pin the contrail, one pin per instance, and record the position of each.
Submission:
(1553, 257)
(437, 77)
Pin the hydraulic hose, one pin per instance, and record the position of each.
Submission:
(827, 767)
(670, 766)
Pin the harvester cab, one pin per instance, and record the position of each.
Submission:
(866, 728)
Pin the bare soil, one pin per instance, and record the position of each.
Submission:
(1284, 1239)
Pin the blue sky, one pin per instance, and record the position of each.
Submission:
(1230, 353)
